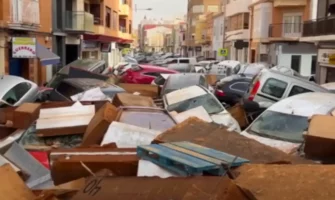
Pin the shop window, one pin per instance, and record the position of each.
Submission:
(86, 54)
(108, 17)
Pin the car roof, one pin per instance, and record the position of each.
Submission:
(329, 86)
(85, 64)
(229, 62)
(156, 68)
(88, 83)
(184, 94)
(306, 104)
(9, 81)
(177, 81)
(278, 73)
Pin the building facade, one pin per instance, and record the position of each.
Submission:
(320, 32)
(25, 39)
(154, 37)
(218, 35)
(237, 29)
(91, 29)
(196, 8)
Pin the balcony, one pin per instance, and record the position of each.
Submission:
(124, 34)
(289, 3)
(79, 22)
(285, 31)
(319, 27)
(24, 15)
(124, 10)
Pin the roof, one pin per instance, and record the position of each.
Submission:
(156, 68)
(9, 81)
(306, 104)
(184, 94)
(85, 64)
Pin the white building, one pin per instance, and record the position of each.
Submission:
(154, 38)
(237, 18)
(218, 34)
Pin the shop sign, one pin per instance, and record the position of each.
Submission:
(23, 47)
(106, 47)
(90, 44)
(326, 56)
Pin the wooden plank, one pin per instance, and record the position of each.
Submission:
(224, 157)
(192, 153)
(179, 157)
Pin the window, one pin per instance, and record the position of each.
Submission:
(16, 93)
(274, 87)
(298, 90)
(108, 17)
(68, 90)
(198, 9)
(115, 20)
(184, 61)
(292, 23)
(295, 62)
(130, 26)
(213, 8)
(99, 69)
(240, 86)
(155, 74)
(313, 70)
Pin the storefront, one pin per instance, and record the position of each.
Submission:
(28, 58)
(91, 49)
(326, 65)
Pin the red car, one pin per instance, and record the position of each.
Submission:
(144, 74)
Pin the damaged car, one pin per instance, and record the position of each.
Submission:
(195, 96)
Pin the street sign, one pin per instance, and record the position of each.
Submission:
(223, 52)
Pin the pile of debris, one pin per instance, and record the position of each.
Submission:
(131, 149)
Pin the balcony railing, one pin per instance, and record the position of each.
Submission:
(123, 29)
(79, 21)
(318, 27)
(98, 21)
(285, 30)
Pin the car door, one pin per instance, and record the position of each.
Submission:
(149, 77)
(297, 89)
(272, 90)
(238, 87)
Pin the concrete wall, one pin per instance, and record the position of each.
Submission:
(218, 35)
(285, 52)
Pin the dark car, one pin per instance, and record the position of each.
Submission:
(73, 86)
(92, 65)
(233, 90)
(179, 81)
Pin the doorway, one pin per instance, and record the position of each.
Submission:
(253, 55)
(18, 66)
(72, 53)
(295, 62)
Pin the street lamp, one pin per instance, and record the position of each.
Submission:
(136, 9)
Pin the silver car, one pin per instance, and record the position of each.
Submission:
(17, 90)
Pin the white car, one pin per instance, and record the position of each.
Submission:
(282, 125)
(17, 90)
(195, 96)
(329, 86)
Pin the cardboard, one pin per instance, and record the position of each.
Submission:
(66, 163)
(290, 182)
(144, 89)
(239, 114)
(153, 188)
(125, 99)
(211, 78)
(65, 120)
(12, 187)
(217, 137)
(320, 137)
(99, 124)
(25, 115)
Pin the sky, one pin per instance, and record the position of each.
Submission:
(166, 9)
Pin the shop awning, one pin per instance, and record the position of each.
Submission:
(46, 56)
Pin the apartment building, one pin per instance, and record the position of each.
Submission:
(276, 29)
(321, 32)
(196, 8)
(25, 39)
(91, 28)
(237, 29)
(218, 35)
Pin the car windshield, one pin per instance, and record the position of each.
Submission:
(280, 126)
(211, 105)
